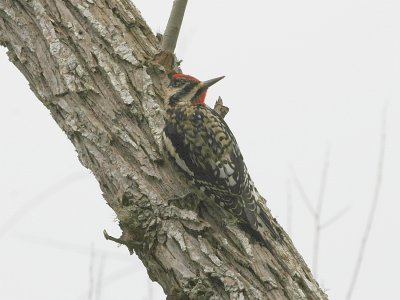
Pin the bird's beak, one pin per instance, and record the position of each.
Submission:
(208, 83)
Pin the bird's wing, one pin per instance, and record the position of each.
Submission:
(207, 151)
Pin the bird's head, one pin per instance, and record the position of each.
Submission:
(187, 89)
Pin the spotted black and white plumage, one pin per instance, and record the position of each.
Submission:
(203, 146)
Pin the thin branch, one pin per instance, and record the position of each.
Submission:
(318, 212)
(289, 206)
(323, 182)
(99, 281)
(336, 217)
(91, 272)
(374, 204)
(315, 212)
(171, 33)
(303, 194)
(112, 278)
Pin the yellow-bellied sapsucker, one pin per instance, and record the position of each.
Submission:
(203, 146)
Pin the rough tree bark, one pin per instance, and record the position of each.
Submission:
(91, 63)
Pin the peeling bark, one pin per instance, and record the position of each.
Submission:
(93, 65)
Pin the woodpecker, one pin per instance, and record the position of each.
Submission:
(202, 145)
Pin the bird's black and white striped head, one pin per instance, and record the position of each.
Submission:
(189, 90)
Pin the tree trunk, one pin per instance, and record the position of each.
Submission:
(92, 64)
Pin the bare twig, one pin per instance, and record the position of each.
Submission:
(336, 217)
(318, 212)
(374, 204)
(100, 274)
(91, 272)
(171, 33)
(129, 244)
(112, 278)
(303, 194)
(289, 206)
(323, 182)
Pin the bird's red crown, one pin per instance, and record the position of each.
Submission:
(202, 98)
(179, 75)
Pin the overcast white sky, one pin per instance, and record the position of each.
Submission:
(300, 75)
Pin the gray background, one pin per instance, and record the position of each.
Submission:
(301, 77)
